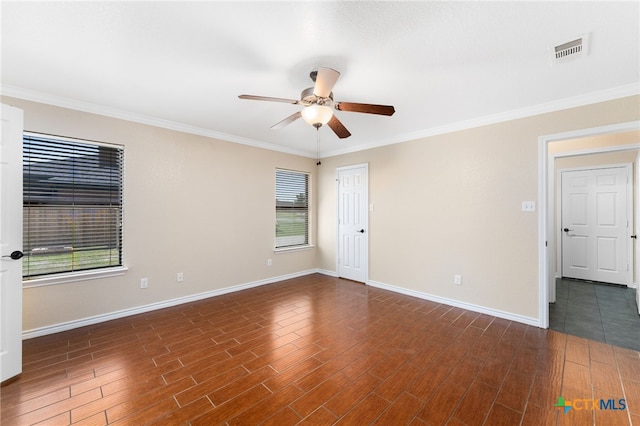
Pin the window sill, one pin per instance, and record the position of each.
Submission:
(74, 276)
(296, 248)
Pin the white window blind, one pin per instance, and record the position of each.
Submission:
(72, 205)
(292, 208)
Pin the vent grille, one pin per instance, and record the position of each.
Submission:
(571, 50)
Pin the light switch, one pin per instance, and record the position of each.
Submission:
(528, 206)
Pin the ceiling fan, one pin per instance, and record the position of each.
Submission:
(317, 102)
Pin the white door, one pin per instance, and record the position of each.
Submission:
(636, 248)
(595, 224)
(10, 242)
(353, 222)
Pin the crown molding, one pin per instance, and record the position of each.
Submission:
(88, 107)
(561, 104)
(558, 105)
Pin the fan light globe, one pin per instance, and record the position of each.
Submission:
(317, 115)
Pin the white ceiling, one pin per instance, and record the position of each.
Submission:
(443, 65)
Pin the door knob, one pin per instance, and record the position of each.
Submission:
(567, 229)
(15, 255)
(634, 237)
(361, 231)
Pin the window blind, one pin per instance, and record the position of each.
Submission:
(72, 205)
(292, 208)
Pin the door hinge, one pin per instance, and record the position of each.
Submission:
(546, 243)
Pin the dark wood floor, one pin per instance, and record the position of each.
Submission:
(318, 350)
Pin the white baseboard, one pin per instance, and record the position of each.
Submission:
(69, 325)
(451, 302)
(327, 272)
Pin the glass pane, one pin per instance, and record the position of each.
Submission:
(292, 208)
(72, 206)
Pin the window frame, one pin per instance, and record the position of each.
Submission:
(118, 232)
(308, 234)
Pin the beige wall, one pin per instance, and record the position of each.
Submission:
(444, 205)
(451, 204)
(192, 204)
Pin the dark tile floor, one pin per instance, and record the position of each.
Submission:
(601, 312)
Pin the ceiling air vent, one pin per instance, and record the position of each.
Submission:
(571, 50)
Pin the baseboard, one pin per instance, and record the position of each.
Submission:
(451, 302)
(328, 273)
(69, 325)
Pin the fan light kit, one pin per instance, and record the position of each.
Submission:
(317, 115)
(318, 103)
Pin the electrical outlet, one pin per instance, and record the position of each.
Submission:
(144, 282)
(180, 277)
(457, 279)
(269, 262)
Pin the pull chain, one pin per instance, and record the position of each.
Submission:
(318, 146)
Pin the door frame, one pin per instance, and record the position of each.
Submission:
(546, 201)
(630, 188)
(366, 218)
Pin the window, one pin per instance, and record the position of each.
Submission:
(72, 205)
(292, 209)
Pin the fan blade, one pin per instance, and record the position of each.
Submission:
(338, 128)
(325, 80)
(290, 119)
(267, 98)
(365, 108)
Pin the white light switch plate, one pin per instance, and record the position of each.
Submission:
(528, 206)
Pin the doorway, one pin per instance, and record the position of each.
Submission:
(353, 222)
(548, 232)
(594, 294)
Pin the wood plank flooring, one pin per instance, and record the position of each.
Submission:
(318, 350)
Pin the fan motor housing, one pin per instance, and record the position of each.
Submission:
(309, 98)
